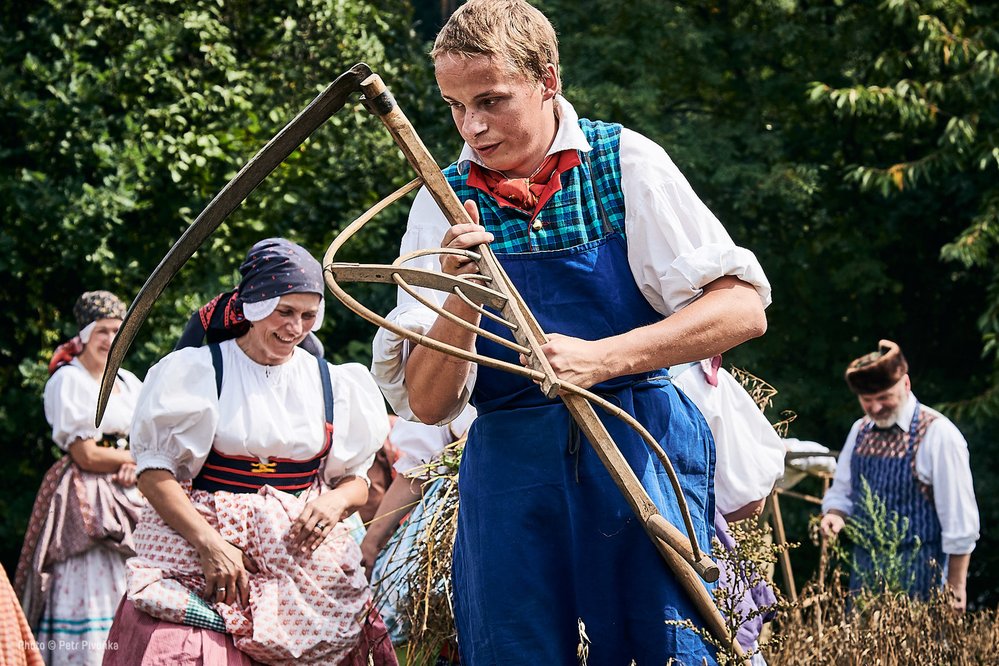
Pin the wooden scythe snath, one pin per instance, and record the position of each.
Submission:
(490, 288)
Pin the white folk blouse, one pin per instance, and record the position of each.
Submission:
(263, 411)
(71, 404)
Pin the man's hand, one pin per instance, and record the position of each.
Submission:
(576, 361)
(463, 237)
(958, 598)
(957, 579)
(832, 523)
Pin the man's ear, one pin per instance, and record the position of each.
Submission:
(550, 82)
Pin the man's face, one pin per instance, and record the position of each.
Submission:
(884, 407)
(508, 119)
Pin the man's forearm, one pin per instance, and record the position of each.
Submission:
(435, 379)
(957, 570)
(728, 313)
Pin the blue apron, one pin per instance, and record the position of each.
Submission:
(545, 539)
(887, 460)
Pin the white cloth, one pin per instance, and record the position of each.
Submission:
(263, 309)
(419, 444)
(942, 462)
(749, 453)
(796, 469)
(71, 404)
(80, 603)
(676, 246)
(263, 412)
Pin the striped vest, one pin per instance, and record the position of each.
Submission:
(886, 459)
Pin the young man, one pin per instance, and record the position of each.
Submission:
(916, 462)
(629, 273)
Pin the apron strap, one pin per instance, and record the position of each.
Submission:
(217, 364)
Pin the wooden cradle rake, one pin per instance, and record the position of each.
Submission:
(490, 288)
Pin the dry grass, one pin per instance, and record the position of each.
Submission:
(426, 610)
(890, 630)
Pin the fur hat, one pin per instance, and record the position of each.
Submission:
(877, 371)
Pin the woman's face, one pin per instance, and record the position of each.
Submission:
(95, 352)
(272, 340)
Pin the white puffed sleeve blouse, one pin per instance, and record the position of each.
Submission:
(71, 404)
(263, 411)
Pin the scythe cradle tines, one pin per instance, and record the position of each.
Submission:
(682, 555)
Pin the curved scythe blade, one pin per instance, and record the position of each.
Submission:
(328, 102)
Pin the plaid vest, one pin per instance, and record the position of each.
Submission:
(572, 217)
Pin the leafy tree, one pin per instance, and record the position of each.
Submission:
(120, 120)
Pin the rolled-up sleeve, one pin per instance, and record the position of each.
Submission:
(390, 350)
(676, 246)
(943, 462)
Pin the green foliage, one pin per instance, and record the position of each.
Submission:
(120, 120)
(929, 97)
(882, 535)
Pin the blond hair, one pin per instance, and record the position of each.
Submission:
(511, 30)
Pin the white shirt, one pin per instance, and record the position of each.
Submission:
(941, 462)
(676, 246)
(263, 411)
(71, 404)
(749, 454)
(419, 444)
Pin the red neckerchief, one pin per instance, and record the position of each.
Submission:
(526, 194)
(65, 353)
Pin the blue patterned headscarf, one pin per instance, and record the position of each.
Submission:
(273, 267)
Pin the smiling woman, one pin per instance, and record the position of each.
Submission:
(253, 452)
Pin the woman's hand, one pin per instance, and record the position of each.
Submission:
(225, 568)
(316, 521)
(125, 476)
(580, 362)
(463, 237)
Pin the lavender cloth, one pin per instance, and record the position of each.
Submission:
(753, 598)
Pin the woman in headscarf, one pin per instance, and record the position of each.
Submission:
(252, 453)
(71, 574)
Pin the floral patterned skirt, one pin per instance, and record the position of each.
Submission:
(303, 609)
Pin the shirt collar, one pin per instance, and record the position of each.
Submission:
(904, 420)
(568, 137)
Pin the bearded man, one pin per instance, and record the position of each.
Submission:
(915, 461)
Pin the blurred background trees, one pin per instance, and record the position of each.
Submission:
(852, 145)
